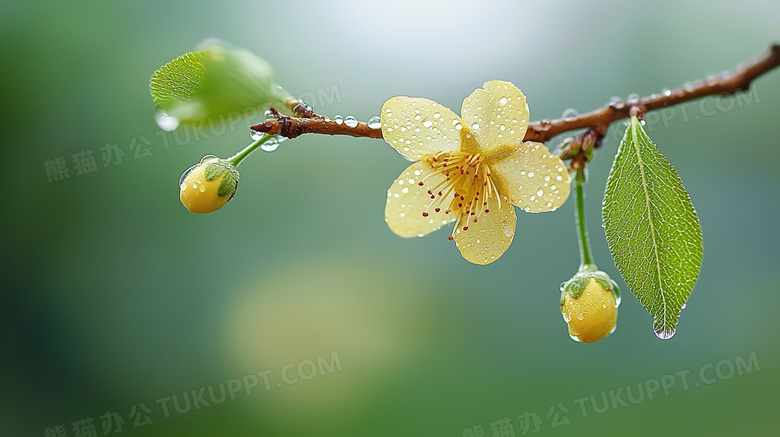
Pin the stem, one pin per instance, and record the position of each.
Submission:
(585, 259)
(542, 131)
(238, 157)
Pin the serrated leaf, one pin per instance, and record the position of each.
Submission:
(652, 229)
(214, 170)
(228, 185)
(178, 80)
(217, 82)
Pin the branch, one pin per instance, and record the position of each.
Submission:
(597, 121)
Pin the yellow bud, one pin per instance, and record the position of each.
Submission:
(208, 186)
(593, 314)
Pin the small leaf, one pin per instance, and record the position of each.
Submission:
(652, 229)
(214, 170)
(216, 82)
(228, 185)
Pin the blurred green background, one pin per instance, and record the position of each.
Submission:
(114, 295)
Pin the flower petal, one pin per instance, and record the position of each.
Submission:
(497, 114)
(535, 179)
(407, 200)
(490, 236)
(417, 127)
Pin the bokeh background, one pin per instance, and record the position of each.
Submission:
(115, 296)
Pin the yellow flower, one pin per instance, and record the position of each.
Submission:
(471, 169)
(208, 185)
(592, 314)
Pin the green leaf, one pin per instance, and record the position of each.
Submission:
(215, 83)
(214, 170)
(228, 185)
(652, 229)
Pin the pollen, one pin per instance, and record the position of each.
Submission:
(466, 187)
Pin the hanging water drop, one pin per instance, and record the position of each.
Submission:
(570, 113)
(255, 134)
(272, 144)
(351, 121)
(665, 335)
(338, 119)
(374, 122)
(165, 121)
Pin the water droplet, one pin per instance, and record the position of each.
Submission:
(540, 192)
(575, 338)
(255, 134)
(272, 144)
(269, 115)
(667, 92)
(570, 113)
(182, 184)
(427, 122)
(436, 115)
(165, 121)
(351, 121)
(475, 126)
(632, 98)
(580, 316)
(615, 100)
(665, 335)
(338, 119)
(684, 305)
(502, 101)
(374, 122)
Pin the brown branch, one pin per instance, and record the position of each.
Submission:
(597, 121)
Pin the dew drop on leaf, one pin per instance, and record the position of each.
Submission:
(165, 121)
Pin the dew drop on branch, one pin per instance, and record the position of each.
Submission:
(272, 144)
(374, 122)
(570, 113)
(338, 119)
(632, 98)
(350, 121)
(255, 134)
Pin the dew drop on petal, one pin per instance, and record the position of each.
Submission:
(427, 122)
(502, 101)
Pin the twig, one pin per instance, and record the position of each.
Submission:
(541, 131)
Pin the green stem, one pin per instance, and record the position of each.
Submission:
(585, 259)
(238, 157)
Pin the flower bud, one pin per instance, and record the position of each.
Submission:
(589, 304)
(209, 185)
